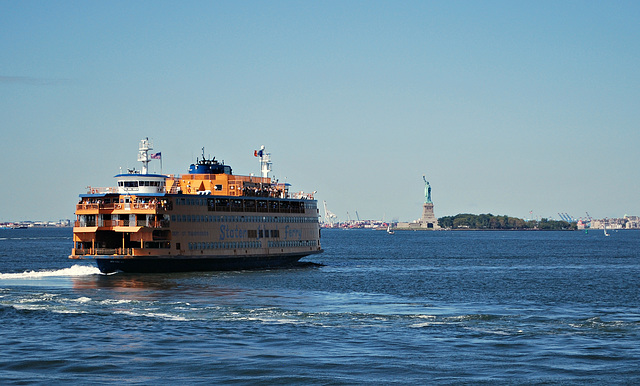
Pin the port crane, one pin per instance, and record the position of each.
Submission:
(566, 217)
(328, 215)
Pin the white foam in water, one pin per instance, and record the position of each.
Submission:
(76, 270)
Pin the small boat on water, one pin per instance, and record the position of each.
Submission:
(206, 220)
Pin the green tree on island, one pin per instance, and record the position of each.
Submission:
(489, 221)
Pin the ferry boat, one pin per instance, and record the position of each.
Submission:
(205, 220)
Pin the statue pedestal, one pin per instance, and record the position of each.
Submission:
(428, 219)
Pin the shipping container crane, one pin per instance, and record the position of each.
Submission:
(328, 215)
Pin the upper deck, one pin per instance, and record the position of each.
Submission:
(205, 177)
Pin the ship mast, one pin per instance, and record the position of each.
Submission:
(143, 154)
(265, 162)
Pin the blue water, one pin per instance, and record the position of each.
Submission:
(414, 307)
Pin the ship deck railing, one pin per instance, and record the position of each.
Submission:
(123, 205)
(122, 223)
(93, 190)
(102, 251)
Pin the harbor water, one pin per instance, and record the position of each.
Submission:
(443, 307)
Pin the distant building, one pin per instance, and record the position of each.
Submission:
(633, 222)
(627, 222)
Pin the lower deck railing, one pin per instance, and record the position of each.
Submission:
(102, 251)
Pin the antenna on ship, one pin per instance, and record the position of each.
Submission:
(145, 157)
(143, 154)
(265, 161)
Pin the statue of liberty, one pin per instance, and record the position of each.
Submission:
(427, 191)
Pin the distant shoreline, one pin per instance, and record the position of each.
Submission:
(490, 230)
(33, 226)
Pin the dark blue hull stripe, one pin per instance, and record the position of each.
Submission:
(108, 264)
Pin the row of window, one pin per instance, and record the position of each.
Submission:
(258, 219)
(135, 184)
(299, 243)
(225, 245)
(216, 202)
(262, 233)
(157, 244)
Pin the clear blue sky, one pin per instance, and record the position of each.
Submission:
(506, 106)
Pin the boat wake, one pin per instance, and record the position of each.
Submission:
(76, 270)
